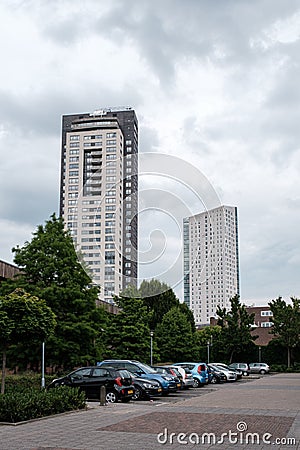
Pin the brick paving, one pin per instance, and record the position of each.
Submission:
(265, 405)
(202, 423)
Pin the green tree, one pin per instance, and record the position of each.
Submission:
(23, 318)
(128, 335)
(189, 315)
(209, 336)
(159, 298)
(235, 326)
(51, 270)
(286, 320)
(175, 338)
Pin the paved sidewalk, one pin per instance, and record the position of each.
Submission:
(225, 417)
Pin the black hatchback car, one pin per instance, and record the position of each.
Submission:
(145, 389)
(215, 375)
(118, 383)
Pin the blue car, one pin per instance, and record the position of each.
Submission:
(199, 372)
(167, 382)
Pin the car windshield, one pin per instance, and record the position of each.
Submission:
(146, 368)
(224, 366)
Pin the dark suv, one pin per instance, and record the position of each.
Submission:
(138, 369)
(118, 383)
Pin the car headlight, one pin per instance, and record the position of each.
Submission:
(148, 385)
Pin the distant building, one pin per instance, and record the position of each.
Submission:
(7, 270)
(262, 324)
(211, 261)
(98, 194)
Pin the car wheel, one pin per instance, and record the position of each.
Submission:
(214, 380)
(262, 371)
(111, 397)
(138, 393)
(197, 383)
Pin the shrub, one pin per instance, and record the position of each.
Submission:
(284, 368)
(17, 406)
(278, 368)
(26, 381)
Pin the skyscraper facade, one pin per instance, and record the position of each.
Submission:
(211, 261)
(99, 194)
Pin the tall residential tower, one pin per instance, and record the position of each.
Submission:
(211, 261)
(99, 194)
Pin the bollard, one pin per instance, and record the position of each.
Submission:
(103, 396)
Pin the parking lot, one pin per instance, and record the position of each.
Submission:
(266, 406)
(186, 394)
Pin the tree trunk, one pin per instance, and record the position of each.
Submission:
(3, 371)
(289, 357)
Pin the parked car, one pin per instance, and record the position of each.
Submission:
(199, 372)
(187, 377)
(145, 389)
(242, 367)
(138, 369)
(173, 372)
(118, 383)
(231, 375)
(259, 368)
(225, 366)
(215, 375)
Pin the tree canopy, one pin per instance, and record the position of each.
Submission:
(51, 270)
(23, 318)
(175, 337)
(235, 326)
(286, 323)
(128, 334)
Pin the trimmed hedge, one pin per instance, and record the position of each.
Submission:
(284, 368)
(26, 381)
(29, 403)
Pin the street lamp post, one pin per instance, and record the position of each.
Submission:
(208, 345)
(43, 365)
(151, 347)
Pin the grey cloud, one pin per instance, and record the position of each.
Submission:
(166, 32)
(194, 136)
(148, 139)
(278, 258)
(32, 115)
(29, 203)
(169, 31)
(40, 113)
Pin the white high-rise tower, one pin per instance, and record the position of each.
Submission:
(211, 261)
(98, 195)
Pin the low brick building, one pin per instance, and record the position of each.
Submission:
(262, 324)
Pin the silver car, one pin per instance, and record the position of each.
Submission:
(231, 375)
(259, 368)
(187, 377)
(243, 367)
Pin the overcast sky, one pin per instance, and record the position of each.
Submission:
(213, 82)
